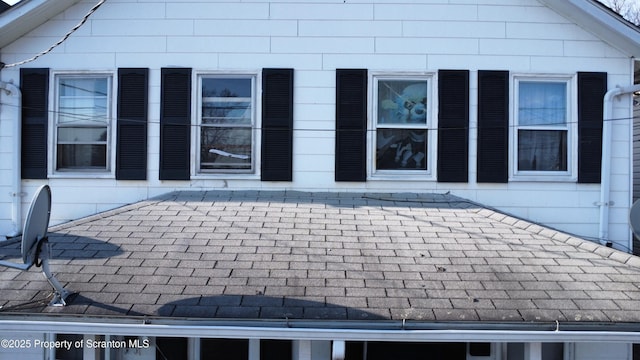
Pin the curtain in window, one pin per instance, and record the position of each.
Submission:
(542, 126)
(542, 150)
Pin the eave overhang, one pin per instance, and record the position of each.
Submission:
(602, 22)
(27, 15)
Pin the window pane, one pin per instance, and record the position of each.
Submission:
(542, 103)
(275, 350)
(226, 101)
(227, 349)
(415, 351)
(81, 156)
(172, 348)
(81, 135)
(227, 112)
(225, 148)
(552, 351)
(83, 87)
(74, 352)
(401, 149)
(542, 150)
(82, 125)
(83, 100)
(402, 102)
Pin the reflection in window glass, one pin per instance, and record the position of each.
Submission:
(542, 103)
(82, 125)
(226, 124)
(401, 125)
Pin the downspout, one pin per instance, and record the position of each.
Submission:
(15, 98)
(605, 183)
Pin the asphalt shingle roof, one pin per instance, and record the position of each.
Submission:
(330, 256)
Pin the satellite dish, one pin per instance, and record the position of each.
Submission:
(36, 224)
(634, 218)
(35, 244)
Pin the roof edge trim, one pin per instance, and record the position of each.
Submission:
(594, 17)
(27, 15)
(334, 330)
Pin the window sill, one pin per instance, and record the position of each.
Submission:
(82, 175)
(402, 177)
(225, 176)
(543, 178)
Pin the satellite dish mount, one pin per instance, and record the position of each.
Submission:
(35, 247)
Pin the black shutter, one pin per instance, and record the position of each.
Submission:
(351, 125)
(277, 125)
(493, 126)
(34, 84)
(175, 123)
(131, 138)
(453, 125)
(592, 86)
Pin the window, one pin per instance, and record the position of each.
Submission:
(228, 349)
(72, 352)
(375, 350)
(543, 130)
(226, 124)
(82, 123)
(402, 115)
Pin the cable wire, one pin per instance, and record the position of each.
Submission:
(111, 119)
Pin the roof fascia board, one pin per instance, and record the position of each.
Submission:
(27, 15)
(595, 18)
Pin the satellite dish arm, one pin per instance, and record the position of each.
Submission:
(13, 265)
(60, 294)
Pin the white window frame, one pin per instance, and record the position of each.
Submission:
(108, 172)
(571, 127)
(431, 127)
(256, 104)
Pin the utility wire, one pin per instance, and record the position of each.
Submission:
(104, 120)
(63, 39)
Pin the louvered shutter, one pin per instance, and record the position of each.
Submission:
(175, 123)
(34, 84)
(351, 125)
(277, 125)
(592, 87)
(131, 138)
(453, 125)
(493, 126)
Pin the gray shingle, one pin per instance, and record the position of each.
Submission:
(329, 256)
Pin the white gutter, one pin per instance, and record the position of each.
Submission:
(15, 99)
(605, 183)
(309, 333)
